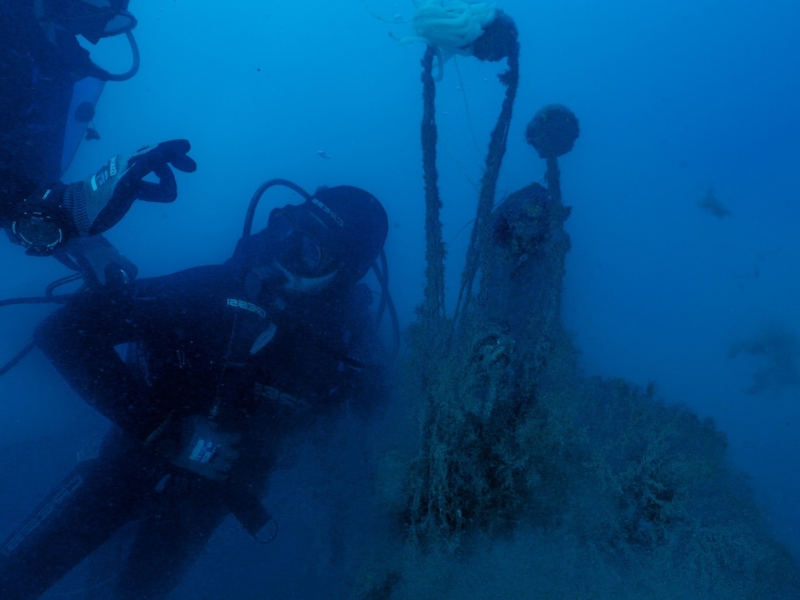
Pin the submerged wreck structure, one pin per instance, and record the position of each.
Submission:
(532, 479)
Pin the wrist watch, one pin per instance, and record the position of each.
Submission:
(41, 223)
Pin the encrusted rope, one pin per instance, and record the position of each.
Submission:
(494, 159)
(433, 307)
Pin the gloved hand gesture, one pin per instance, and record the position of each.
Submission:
(106, 196)
(207, 451)
(44, 221)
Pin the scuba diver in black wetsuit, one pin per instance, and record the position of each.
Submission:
(229, 359)
(49, 86)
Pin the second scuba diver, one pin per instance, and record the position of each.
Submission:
(227, 361)
(49, 88)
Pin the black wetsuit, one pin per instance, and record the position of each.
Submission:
(261, 368)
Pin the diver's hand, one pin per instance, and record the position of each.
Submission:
(100, 263)
(102, 200)
(207, 451)
(157, 160)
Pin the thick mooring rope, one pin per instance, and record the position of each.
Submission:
(494, 159)
(433, 307)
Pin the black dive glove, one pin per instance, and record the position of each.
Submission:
(205, 450)
(107, 195)
(45, 221)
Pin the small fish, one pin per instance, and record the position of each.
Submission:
(91, 134)
(711, 204)
(323, 154)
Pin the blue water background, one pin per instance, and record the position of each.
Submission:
(673, 97)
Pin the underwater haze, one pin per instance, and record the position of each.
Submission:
(684, 268)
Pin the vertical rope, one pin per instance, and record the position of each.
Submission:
(433, 307)
(494, 160)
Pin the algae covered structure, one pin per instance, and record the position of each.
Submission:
(634, 494)
(533, 480)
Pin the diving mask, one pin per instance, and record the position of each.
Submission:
(302, 249)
